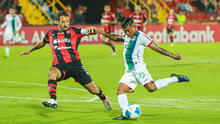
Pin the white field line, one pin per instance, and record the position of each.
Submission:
(79, 89)
(95, 98)
(38, 84)
(84, 101)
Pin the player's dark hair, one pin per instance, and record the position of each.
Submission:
(126, 22)
(12, 7)
(61, 13)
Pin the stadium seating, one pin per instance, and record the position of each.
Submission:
(33, 14)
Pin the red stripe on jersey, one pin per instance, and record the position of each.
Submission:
(139, 19)
(64, 51)
(53, 94)
(171, 20)
(52, 85)
(50, 36)
(108, 17)
(73, 41)
(52, 90)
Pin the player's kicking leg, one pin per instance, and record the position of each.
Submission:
(54, 74)
(150, 86)
(92, 88)
(158, 84)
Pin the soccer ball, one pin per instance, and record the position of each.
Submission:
(132, 111)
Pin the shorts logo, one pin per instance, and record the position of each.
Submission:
(140, 75)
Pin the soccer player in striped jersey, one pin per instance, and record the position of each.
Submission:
(108, 22)
(64, 42)
(139, 18)
(12, 25)
(135, 69)
(171, 19)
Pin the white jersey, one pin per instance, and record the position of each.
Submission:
(12, 23)
(134, 49)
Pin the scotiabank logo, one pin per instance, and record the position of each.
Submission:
(182, 35)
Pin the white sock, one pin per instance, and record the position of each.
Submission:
(122, 100)
(7, 51)
(164, 82)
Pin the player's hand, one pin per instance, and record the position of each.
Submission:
(26, 52)
(91, 30)
(176, 56)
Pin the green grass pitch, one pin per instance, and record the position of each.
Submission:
(23, 82)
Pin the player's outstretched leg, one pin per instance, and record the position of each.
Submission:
(158, 84)
(52, 103)
(52, 85)
(54, 74)
(92, 88)
(181, 78)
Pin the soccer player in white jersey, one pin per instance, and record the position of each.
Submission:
(12, 25)
(135, 69)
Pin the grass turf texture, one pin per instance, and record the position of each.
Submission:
(196, 102)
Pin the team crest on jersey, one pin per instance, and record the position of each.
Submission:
(133, 38)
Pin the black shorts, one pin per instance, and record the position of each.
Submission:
(170, 30)
(74, 70)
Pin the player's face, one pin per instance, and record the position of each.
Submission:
(63, 23)
(107, 8)
(130, 30)
(11, 11)
(171, 11)
(138, 9)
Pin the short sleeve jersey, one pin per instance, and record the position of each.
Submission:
(64, 44)
(134, 49)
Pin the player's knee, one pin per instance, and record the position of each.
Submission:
(53, 74)
(121, 91)
(151, 89)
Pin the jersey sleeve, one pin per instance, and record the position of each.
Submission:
(146, 40)
(79, 31)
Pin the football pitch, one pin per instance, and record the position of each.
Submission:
(23, 86)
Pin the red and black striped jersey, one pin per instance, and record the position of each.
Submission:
(108, 17)
(139, 19)
(64, 44)
(171, 19)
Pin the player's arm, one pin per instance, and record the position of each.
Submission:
(88, 31)
(36, 47)
(113, 37)
(3, 25)
(162, 51)
(146, 20)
